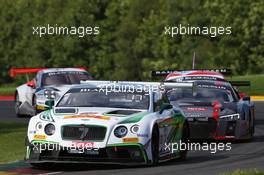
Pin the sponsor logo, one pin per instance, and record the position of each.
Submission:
(39, 107)
(196, 109)
(129, 140)
(82, 144)
(32, 132)
(101, 117)
(40, 137)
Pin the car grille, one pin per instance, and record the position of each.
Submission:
(83, 132)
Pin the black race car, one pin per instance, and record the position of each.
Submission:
(215, 109)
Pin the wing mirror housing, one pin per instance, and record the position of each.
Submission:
(242, 95)
(49, 103)
(165, 106)
(31, 84)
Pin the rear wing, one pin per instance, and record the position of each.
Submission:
(158, 73)
(240, 83)
(18, 71)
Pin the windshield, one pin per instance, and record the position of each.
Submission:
(94, 98)
(64, 77)
(201, 95)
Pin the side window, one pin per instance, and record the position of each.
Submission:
(157, 102)
(159, 99)
(37, 80)
(165, 98)
(235, 94)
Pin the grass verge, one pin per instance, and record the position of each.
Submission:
(12, 141)
(7, 90)
(257, 84)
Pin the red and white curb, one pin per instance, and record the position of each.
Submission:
(7, 98)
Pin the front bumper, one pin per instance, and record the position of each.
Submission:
(218, 129)
(202, 129)
(127, 154)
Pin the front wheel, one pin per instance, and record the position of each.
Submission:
(184, 140)
(17, 106)
(34, 105)
(155, 146)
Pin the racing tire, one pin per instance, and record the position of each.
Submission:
(155, 146)
(185, 139)
(43, 166)
(34, 105)
(252, 127)
(17, 105)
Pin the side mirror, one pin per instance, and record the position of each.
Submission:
(165, 106)
(246, 98)
(49, 103)
(31, 84)
(242, 95)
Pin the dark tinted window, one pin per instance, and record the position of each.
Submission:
(202, 94)
(94, 98)
(67, 77)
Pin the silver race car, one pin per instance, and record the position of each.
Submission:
(49, 83)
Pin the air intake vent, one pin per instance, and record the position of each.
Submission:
(83, 132)
(65, 110)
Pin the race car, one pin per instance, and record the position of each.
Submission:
(49, 83)
(103, 122)
(215, 110)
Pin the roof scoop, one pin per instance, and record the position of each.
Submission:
(65, 111)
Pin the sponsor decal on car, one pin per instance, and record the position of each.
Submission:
(88, 116)
(196, 109)
(82, 144)
(39, 107)
(32, 132)
(129, 140)
(40, 137)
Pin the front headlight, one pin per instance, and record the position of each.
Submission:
(49, 129)
(134, 129)
(120, 131)
(50, 94)
(230, 117)
(38, 126)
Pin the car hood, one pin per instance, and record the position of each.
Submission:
(96, 115)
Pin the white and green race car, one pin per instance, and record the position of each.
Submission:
(108, 122)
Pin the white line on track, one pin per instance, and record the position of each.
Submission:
(51, 173)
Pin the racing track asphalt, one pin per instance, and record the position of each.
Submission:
(242, 156)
